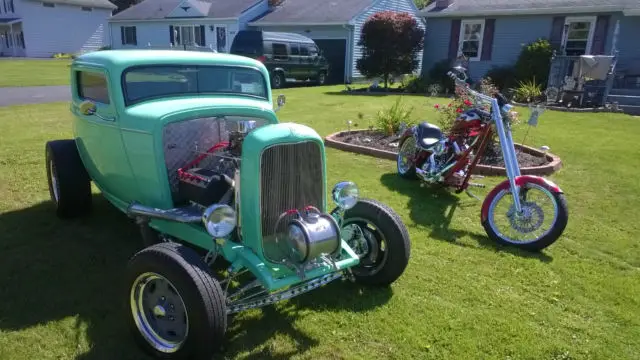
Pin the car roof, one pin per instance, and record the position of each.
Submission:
(285, 37)
(121, 59)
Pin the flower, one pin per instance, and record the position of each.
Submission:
(459, 110)
(450, 104)
(467, 102)
(437, 106)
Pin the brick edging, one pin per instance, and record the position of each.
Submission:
(566, 109)
(554, 161)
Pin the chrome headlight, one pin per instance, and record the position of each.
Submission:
(219, 220)
(345, 194)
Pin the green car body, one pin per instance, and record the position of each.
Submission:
(143, 118)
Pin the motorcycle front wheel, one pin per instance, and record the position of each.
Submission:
(404, 159)
(541, 221)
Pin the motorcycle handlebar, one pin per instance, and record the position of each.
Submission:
(502, 100)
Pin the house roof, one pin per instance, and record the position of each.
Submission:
(518, 7)
(100, 4)
(159, 9)
(314, 12)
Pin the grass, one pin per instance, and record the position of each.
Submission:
(460, 298)
(33, 72)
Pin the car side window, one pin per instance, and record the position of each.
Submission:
(304, 51)
(280, 51)
(295, 50)
(92, 86)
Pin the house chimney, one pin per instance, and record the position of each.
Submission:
(443, 4)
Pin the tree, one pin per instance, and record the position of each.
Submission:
(421, 4)
(390, 44)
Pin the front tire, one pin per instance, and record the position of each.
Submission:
(379, 237)
(69, 183)
(404, 163)
(176, 310)
(532, 219)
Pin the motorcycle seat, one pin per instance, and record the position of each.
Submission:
(428, 135)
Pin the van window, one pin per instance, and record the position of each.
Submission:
(92, 86)
(304, 51)
(295, 50)
(279, 51)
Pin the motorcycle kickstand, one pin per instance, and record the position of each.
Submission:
(472, 195)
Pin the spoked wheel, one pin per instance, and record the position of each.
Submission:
(404, 161)
(540, 222)
(176, 310)
(379, 238)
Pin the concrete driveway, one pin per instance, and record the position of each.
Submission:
(34, 95)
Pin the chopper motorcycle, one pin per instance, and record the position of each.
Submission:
(525, 211)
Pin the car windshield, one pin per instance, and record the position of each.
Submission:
(149, 82)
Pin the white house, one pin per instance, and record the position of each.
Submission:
(35, 28)
(335, 26)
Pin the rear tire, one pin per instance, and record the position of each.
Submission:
(387, 248)
(69, 183)
(322, 78)
(168, 287)
(277, 80)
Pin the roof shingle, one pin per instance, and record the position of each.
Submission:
(483, 6)
(315, 12)
(159, 9)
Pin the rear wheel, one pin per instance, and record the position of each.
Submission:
(176, 310)
(277, 80)
(69, 183)
(404, 160)
(542, 220)
(322, 78)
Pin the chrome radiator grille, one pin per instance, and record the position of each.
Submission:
(291, 177)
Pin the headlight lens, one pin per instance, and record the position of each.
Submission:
(219, 220)
(345, 194)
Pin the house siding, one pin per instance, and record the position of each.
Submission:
(628, 48)
(47, 31)
(378, 6)
(155, 34)
(512, 33)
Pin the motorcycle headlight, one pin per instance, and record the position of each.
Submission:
(345, 194)
(219, 220)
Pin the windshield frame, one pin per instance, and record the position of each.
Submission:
(130, 102)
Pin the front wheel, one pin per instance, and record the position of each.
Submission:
(380, 239)
(540, 222)
(405, 158)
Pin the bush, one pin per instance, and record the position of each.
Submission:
(63, 56)
(414, 84)
(503, 77)
(389, 120)
(438, 75)
(390, 44)
(528, 91)
(534, 62)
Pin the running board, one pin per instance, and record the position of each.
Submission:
(186, 214)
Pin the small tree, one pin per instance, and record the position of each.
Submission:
(391, 42)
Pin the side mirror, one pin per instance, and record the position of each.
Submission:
(87, 108)
(281, 101)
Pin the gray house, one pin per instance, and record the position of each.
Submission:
(493, 32)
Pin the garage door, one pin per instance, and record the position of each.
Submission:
(335, 51)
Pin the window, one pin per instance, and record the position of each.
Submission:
(128, 35)
(578, 35)
(189, 35)
(471, 34)
(141, 83)
(295, 50)
(280, 51)
(304, 51)
(46, 4)
(92, 86)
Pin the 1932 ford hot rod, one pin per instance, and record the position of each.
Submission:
(188, 145)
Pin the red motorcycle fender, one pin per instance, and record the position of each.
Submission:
(520, 180)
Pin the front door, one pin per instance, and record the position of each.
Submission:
(98, 134)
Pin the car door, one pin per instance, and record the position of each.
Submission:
(297, 68)
(97, 133)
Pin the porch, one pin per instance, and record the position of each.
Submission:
(11, 38)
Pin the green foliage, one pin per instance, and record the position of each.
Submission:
(438, 75)
(528, 91)
(390, 44)
(63, 56)
(534, 62)
(503, 77)
(421, 4)
(414, 84)
(389, 120)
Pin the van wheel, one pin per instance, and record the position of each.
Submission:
(322, 78)
(277, 80)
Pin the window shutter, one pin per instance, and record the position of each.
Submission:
(135, 36)
(454, 38)
(202, 40)
(171, 39)
(487, 39)
(122, 38)
(557, 28)
(600, 35)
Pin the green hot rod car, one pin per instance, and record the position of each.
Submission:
(188, 144)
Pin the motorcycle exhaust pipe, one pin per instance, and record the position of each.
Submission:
(177, 215)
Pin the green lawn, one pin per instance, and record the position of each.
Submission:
(460, 298)
(31, 72)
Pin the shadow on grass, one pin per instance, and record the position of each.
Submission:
(434, 207)
(56, 269)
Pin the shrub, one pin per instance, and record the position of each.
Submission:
(528, 91)
(390, 44)
(534, 61)
(414, 84)
(502, 76)
(438, 75)
(63, 56)
(448, 113)
(389, 120)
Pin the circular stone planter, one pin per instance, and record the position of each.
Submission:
(554, 161)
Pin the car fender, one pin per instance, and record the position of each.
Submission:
(520, 180)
